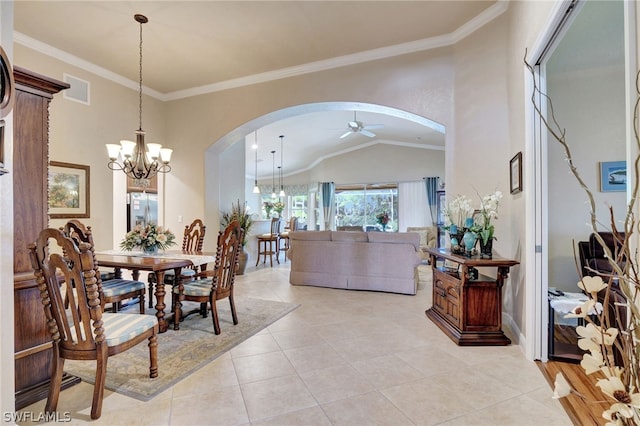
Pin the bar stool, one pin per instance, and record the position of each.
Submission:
(284, 237)
(268, 244)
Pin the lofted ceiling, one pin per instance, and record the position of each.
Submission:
(192, 47)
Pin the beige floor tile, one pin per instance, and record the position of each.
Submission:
(258, 344)
(313, 357)
(387, 371)
(275, 397)
(216, 375)
(520, 411)
(368, 409)
(262, 366)
(336, 382)
(223, 407)
(427, 402)
(296, 338)
(313, 416)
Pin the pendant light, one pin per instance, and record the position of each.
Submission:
(282, 194)
(273, 175)
(256, 190)
(140, 161)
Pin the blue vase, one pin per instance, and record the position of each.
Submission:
(469, 239)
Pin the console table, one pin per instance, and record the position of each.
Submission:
(467, 305)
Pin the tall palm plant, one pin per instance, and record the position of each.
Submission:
(238, 212)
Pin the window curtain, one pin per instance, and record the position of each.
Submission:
(412, 205)
(327, 192)
(431, 184)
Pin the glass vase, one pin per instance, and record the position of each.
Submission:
(469, 240)
(150, 250)
(486, 249)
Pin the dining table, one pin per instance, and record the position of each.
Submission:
(158, 263)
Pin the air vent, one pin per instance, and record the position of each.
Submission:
(79, 90)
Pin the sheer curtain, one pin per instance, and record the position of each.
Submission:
(413, 206)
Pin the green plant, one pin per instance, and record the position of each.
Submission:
(240, 213)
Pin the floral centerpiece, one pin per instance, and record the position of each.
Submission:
(149, 238)
(277, 206)
(611, 340)
(383, 219)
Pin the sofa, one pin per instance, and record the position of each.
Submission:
(428, 238)
(377, 261)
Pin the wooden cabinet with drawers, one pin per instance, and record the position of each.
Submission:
(467, 305)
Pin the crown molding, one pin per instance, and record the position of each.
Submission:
(341, 61)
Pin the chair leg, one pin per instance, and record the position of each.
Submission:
(214, 315)
(142, 302)
(98, 388)
(258, 257)
(153, 356)
(177, 312)
(57, 365)
(277, 250)
(150, 292)
(234, 315)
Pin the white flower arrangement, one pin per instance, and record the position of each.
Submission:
(457, 212)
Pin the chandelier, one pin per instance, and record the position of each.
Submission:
(140, 161)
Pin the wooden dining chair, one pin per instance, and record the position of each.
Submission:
(283, 244)
(79, 329)
(216, 284)
(114, 290)
(268, 244)
(192, 241)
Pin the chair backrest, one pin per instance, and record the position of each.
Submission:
(275, 226)
(293, 224)
(78, 326)
(80, 233)
(229, 244)
(194, 236)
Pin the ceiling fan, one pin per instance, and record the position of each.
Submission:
(356, 126)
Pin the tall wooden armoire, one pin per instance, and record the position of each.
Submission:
(30, 216)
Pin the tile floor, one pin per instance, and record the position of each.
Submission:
(342, 358)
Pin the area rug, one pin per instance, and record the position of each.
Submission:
(184, 351)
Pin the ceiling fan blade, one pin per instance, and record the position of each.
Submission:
(354, 124)
(346, 134)
(368, 133)
(373, 126)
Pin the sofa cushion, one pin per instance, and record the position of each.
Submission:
(311, 235)
(359, 236)
(395, 238)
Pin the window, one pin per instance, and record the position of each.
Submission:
(298, 208)
(358, 205)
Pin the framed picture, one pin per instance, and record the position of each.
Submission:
(515, 170)
(613, 176)
(68, 190)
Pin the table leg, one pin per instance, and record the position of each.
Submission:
(177, 306)
(162, 323)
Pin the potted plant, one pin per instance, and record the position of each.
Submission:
(240, 213)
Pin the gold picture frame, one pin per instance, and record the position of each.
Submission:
(68, 190)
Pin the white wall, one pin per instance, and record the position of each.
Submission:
(590, 106)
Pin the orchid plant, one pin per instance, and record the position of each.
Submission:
(488, 210)
(457, 212)
(612, 340)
